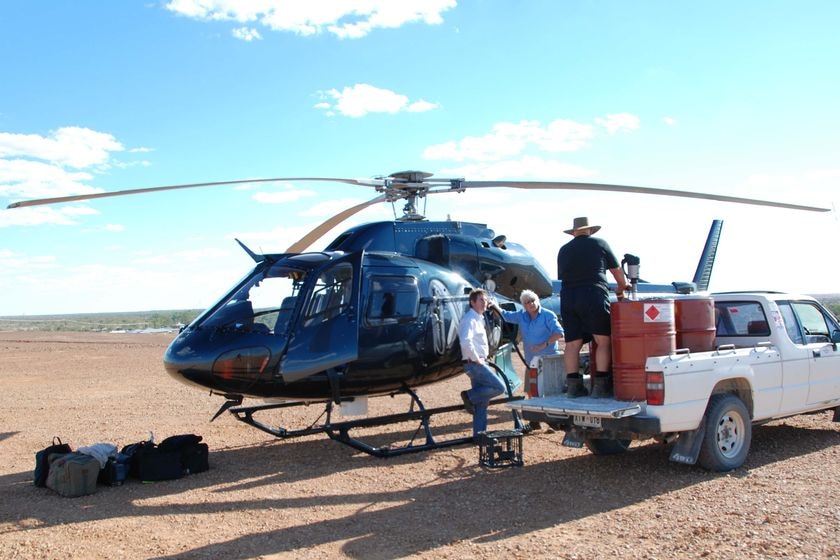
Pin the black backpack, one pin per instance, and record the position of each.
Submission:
(193, 455)
(42, 460)
(174, 457)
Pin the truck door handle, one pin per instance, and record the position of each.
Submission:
(825, 351)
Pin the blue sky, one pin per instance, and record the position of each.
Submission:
(736, 98)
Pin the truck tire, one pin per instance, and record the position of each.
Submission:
(599, 446)
(728, 434)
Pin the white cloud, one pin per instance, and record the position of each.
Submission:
(38, 215)
(37, 179)
(79, 211)
(344, 19)
(527, 167)
(246, 34)
(360, 99)
(104, 287)
(281, 238)
(281, 197)
(814, 187)
(512, 139)
(59, 164)
(191, 256)
(618, 122)
(421, 106)
(69, 146)
(11, 261)
(331, 207)
(670, 121)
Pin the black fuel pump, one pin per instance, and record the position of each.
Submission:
(631, 271)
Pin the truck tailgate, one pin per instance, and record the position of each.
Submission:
(556, 406)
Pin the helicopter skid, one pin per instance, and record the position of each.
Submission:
(340, 431)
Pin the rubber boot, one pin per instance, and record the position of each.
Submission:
(574, 386)
(602, 386)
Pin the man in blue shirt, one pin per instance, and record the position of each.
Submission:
(539, 327)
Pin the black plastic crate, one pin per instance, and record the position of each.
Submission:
(501, 448)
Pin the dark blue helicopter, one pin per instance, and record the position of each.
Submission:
(348, 321)
(376, 312)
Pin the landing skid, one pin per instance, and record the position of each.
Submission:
(340, 431)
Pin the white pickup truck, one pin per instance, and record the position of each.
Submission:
(776, 355)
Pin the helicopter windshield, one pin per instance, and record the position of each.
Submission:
(263, 303)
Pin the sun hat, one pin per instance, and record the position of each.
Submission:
(580, 224)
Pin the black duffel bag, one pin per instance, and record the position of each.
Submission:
(174, 457)
(194, 455)
(42, 460)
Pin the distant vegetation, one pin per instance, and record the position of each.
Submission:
(832, 301)
(141, 320)
(101, 322)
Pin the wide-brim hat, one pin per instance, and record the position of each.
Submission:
(581, 224)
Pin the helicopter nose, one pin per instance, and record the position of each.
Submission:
(188, 366)
(232, 366)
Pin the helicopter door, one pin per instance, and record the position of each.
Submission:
(327, 332)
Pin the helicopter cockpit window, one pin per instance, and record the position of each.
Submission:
(331, 294)
(260, 302)
(392, 299)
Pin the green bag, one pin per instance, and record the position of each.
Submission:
(73, 474)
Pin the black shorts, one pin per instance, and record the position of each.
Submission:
(585, 311)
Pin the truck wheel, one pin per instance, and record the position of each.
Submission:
(607, 446)
(728, 434)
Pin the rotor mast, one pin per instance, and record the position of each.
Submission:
(411, 185)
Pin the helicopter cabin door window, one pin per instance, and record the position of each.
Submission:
(331, 295)
(392, 299)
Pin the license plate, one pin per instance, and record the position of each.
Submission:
(587, 421)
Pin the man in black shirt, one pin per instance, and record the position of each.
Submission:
(585, 304)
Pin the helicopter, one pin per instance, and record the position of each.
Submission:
(374, 313)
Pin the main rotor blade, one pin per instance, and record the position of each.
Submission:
(77, 197)
(304, 242)
(557, 185)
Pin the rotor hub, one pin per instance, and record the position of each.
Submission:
(411, 185)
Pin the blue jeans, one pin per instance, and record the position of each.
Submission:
(485, 385)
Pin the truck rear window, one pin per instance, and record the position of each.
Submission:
(740, 318)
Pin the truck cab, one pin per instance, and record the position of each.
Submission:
(775, 355)
(803, 331)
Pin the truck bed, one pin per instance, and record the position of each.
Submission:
(561, 406)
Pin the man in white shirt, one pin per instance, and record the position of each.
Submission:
(474, 349)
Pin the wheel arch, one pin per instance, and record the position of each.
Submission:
(738, 386)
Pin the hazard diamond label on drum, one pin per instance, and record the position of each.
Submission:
(658, 312)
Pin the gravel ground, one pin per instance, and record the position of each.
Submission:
(315, 498)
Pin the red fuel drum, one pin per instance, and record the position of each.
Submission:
(640, 328)
(695, 320)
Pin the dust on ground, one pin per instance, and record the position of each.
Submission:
(313, 497)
